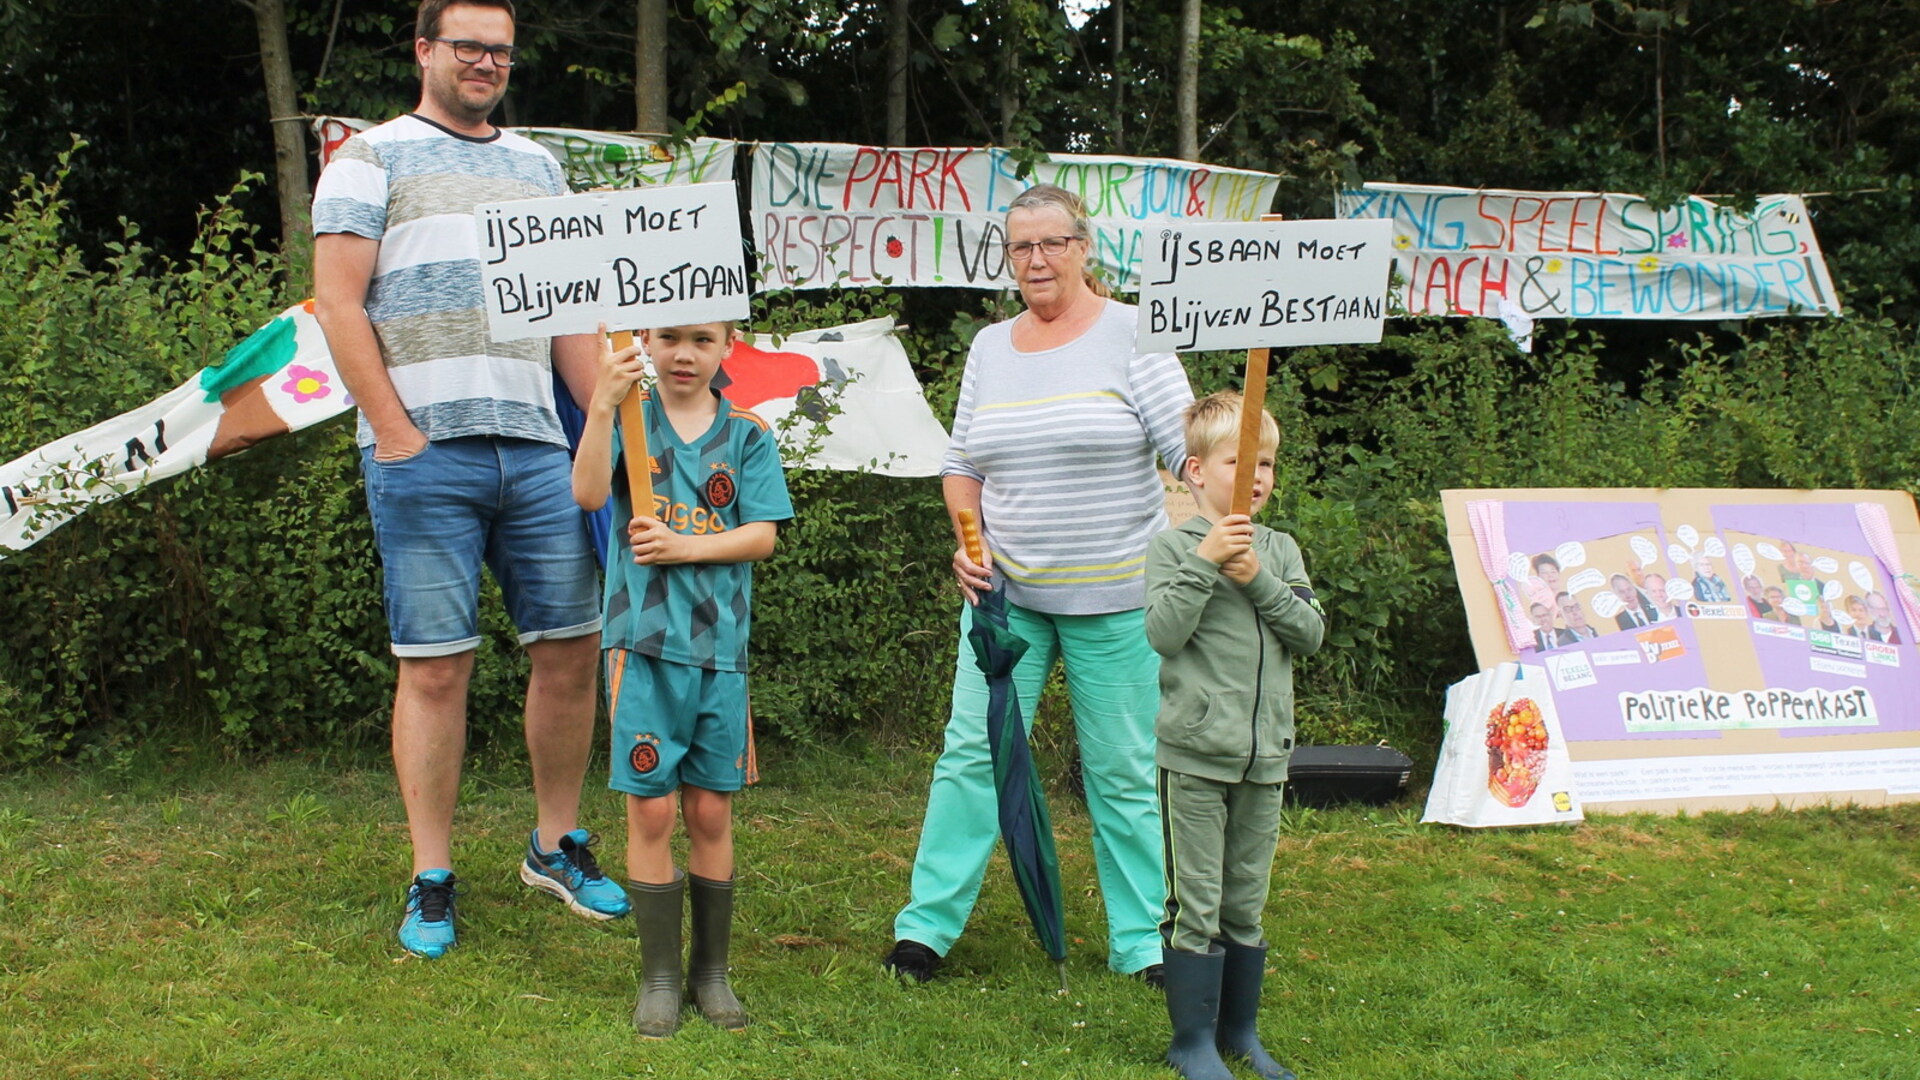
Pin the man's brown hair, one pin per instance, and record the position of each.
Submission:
(427, 23)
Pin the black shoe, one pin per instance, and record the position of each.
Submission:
(1154, 975)
(913, 960)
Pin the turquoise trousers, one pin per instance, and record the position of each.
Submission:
(1113, 680)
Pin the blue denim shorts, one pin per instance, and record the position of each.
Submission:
(460, 503)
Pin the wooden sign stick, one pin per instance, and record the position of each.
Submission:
(1253, 402)
(633, 440)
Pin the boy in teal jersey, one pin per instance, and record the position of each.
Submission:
(1228, 608)
(675, 639)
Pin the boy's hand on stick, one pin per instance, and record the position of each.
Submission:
(1241, 568)
(616, 374)
(1230, 536)
(654, 544)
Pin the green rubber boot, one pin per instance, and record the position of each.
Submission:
(712, 903)
(1193, 1004)
(1236, 1035)
(656, 916)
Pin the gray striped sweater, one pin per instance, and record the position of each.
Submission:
(1063, 442)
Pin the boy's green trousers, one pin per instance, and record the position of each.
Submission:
(1220, 839)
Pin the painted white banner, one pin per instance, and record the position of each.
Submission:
(858, 379)
(280, 379)
(1255, 284)
(634, 259)
(590, 159)
(1503, 760)
(1597, 255)
(827, 214)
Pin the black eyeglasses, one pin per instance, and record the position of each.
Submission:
(470, 52)
(1052, 245)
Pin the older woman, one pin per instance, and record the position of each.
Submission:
(1053, 446)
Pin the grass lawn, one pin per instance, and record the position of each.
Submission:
(201, 920)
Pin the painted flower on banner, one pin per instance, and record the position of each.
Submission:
(1553, 266)
(1649, 264)
(306, 384)
(1402, 242)
(1676, 241)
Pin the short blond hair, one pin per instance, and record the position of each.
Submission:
(1215, 419)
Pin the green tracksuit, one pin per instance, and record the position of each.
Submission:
(1225, 728)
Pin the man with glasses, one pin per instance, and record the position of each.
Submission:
(462, 454)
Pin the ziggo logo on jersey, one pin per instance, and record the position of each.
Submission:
(691, 520)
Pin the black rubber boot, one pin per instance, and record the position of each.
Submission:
(712, 903)
(1193, 1004)
(656, 916)
(1237, 1035)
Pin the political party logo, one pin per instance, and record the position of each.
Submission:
(1660, 643)
(645, 755)
(720, 490)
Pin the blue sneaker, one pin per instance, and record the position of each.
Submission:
(427, 929)
(571, 874)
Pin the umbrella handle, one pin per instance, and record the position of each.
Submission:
(970, 535)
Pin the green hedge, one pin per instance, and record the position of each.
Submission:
(239, 604)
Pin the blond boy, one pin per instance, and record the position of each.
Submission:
(1228, 607)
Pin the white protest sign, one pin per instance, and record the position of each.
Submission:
(632, 259)
(1252, 285)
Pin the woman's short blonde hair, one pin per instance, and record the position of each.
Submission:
(1050, 197)
(1215, 419)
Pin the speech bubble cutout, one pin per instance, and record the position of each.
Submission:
(1679, 555)
(1796, 607)
(1644, 550)
(1713, 548)
(1742, 559)
(1606, 605)
(1679, 591)
(1571, 554)
(1688, 535)
(1585, 580)
(1518, 566)
(1860, 574)
(1831, 590)
(1826, 565)
(1842, 619)
(1768, 551)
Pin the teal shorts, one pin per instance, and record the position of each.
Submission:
(675, 724)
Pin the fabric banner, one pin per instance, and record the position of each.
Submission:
(1678, 628)
(1597, 255)
(854, 380)
(590, 159)
(1503, 760)
(827, 214)
(280, 379)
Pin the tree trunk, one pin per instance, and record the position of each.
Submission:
(1119, 79)
(650, 67)
(1187, 85)
(1010, 79)
(289, 138)
(899, 55)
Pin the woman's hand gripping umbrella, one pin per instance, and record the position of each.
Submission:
(1025, 825)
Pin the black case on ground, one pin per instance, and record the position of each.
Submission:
(1325, 775)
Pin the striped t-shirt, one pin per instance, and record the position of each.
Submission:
(412, 185)
(1063, 441)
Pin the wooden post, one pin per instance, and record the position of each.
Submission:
(633, 441)
(1253, 402)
